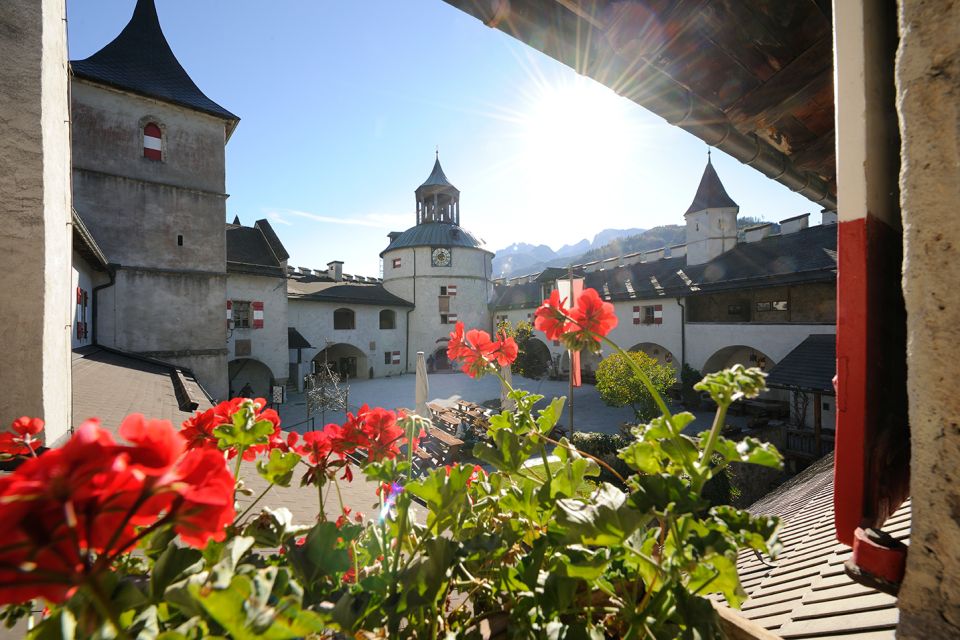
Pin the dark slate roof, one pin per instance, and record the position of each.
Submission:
(271, 237)
(304, 287)
(808, 255)
(295, 340)
(436, 178)
(140, 60)
(436, 234)
(110, 385)
(710, 193)
(251, 250)
(804, 592)
(810, 366)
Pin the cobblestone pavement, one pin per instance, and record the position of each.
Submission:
(590, 413)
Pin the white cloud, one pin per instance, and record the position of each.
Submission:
(376, 220)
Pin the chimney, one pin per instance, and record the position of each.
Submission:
(393, 235)
(794, 224)
(609, 263)
(828, 217)
(757, 232)
(590, 267)
(653, 255)
(335, 270)
(678, 251)
(632, 258)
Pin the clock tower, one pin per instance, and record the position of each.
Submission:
(442, 268)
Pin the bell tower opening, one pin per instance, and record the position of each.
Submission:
(437, 199)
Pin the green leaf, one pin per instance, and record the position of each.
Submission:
(755, 532)
(273, 527)
(548, 417)
(174, 564)
(607, 519)
(278, 468)
(557, 630)
(642, 456)
(569, 477)
(243, 609)
(577, 561)
(732, 384)
(663, 492)
(749, 450)
(445, 493)
(323, 555)
(243, 431)
(718, 574)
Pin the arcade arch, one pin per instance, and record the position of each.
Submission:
(344, 359)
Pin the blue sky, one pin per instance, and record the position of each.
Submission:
(343, 103)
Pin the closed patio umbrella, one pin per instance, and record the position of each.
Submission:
(423, 387)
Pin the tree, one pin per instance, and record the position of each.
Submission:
(531, 362)
(619, 385)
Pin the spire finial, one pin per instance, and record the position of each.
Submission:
(708, 155)
(437, 153)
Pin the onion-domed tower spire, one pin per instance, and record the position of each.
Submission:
(437, 199)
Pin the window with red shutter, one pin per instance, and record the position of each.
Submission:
(152, 142)
(257, 315)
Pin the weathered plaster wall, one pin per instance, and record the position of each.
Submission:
(269, 344)
(928, 86)
(773, 340)
(35, 236)
(419, 282)
(314, 321)
(161, 221)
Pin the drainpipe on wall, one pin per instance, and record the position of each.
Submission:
(683, 333)
(112, 272)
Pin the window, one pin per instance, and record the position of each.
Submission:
(396, 263)
(241, 313)
(448, 318)
(448, 290)
(343, 319)
(388, 319)
(734, 309)
(444, 304)
(391, 357)
(152, 141)
(501, 318)
(777, 305)
(650, 314)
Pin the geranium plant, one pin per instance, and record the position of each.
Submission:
(144, 538)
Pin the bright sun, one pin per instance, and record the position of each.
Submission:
(577, 138)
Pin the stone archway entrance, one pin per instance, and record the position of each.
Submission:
(344, 359)
(737, 354)
(249, 378)
(658, 352)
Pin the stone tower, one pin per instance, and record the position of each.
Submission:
(149, 181)
(711, 219)
(442, 268)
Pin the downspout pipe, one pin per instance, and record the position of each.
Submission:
(112, 272)
(683, 333)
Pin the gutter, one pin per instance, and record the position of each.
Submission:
(112, 272)
(683, 333)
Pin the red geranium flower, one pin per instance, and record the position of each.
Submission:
(22, 442)
(505, 350)
(590, 320)
(70, 512)
(455, 346)
(551, 317)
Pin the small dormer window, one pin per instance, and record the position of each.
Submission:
(152, 141)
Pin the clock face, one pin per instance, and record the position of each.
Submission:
(441, 257)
